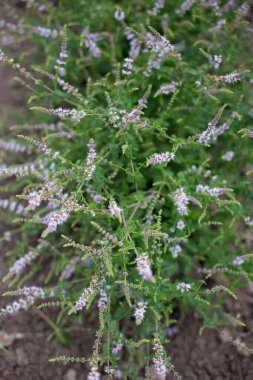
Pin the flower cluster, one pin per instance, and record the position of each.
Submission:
(213, 192)
(175, 250)
(45, 32)
(60, 216)
(181, 201)
(159, 4)
(208, 133)
(103, 299)
(13, 146)
(215, 60)
(13, 206)
(159, 362)
(21, 263)
(238, 260)
(36, 197)
(90, 42)
(228, 78)
(187, 4)
(248, 221)
(74, 114)
(144, 267)
(139, 312)
(160, 47)
(61, 61)
(183, 287)
(127, 66)
(86, 295)
(90, 160)
(114, 209)
(167, 89)
(228, 156)
(159, 158)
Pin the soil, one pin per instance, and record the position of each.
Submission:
(211, 356)
(25, 349)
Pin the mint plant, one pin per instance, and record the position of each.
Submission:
(139, 188)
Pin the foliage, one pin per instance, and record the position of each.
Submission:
(140, 190)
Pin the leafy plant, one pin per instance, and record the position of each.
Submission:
(136, 196)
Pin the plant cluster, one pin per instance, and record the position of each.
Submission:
(140, 189)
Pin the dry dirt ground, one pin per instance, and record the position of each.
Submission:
(24, 346)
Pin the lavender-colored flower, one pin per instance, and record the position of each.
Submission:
(119, 15)
(167, 89)
(86, 295)
(175, 250)
(94, 374)
(45, 32)
(238, 260)
(103, 299)
(61, 61)
(207, 134)
(90, 42)
(21, 263)
(213, 192)
(97, 198)
(139, 312)
(180, 225)
(160, 47)
(60, 216)
(228, 78)
(181, 200)
(143, 267)
(117, 348)
(159, 362)
(114, 209)
(228, 156)
(159, 158)
(159, 4)
(185, 7)
(224, 127)
(90, 160)
(216, 28)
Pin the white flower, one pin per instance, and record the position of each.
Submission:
(183, 287)
(127, 66)
(248, 221)
(215, 60)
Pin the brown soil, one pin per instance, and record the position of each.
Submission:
(210, 357)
